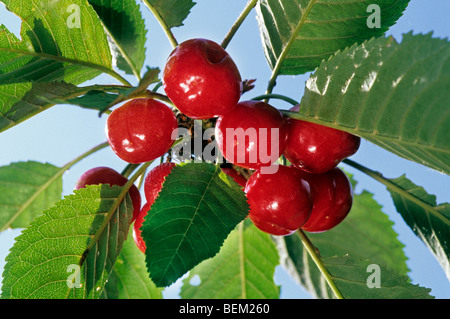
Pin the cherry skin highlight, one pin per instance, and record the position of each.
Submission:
(141, 130)
(332, 200)
(106, 175)
(316, 148)
(280, 203)
(201, 79)
(252, 135)
(152, 186)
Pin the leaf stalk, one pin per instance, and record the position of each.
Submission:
(394, 188)
(277, 67)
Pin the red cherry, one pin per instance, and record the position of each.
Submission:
(137, 233)
(201, 79)
(141, 130)
(252, 135)
(154, 180)
(316, 148)
(106, 175)
(152, 186)
(238, 178)
(280, 203)
(332, 199)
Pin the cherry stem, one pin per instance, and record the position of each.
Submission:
(151, 95)
(276, 96)
(248, 8)
(162, 23)
(84, 155)
(312, 251)
(129, 169)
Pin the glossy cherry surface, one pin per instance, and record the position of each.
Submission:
(107, 175)
(316, 148)
(154, 180)
(332, 199)
(137, 232)
(201, 79)
(252, 135)
(280, 203)
(141, 130)
(152, 186)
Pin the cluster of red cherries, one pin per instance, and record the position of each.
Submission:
(203, 82)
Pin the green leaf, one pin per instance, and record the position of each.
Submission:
(429, 221)
(365, 235)
(74, 242)
(392, 94)
(61, 41)
(353, 276)
(150, 77)
(298, 34)
(21, 101)
(355, 279)
(129, 278)
(172, 12)
(94, 99)
(27, 189)
(126, 29)
(194, 213)
(244, 268)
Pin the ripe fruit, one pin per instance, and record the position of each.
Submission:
(252, 135)
(316, 148)
(106, 175)
(280, 203)
(154, 180)
(332, 199)
(152, 186)
(137, 233)
(238, 178)
(141, 130)
(201, 79)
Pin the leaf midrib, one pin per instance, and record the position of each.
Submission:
(288, 45)
(63, 59)
(191, 221)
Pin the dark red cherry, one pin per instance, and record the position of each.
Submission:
(141, 130)
(106, 175)
(332, 199)
(152, 186)
(154, 180)
(280, 203)
(137, 232)
(252, 135)
(201, 79)
(316, 148)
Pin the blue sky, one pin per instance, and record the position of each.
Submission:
(63, 132)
